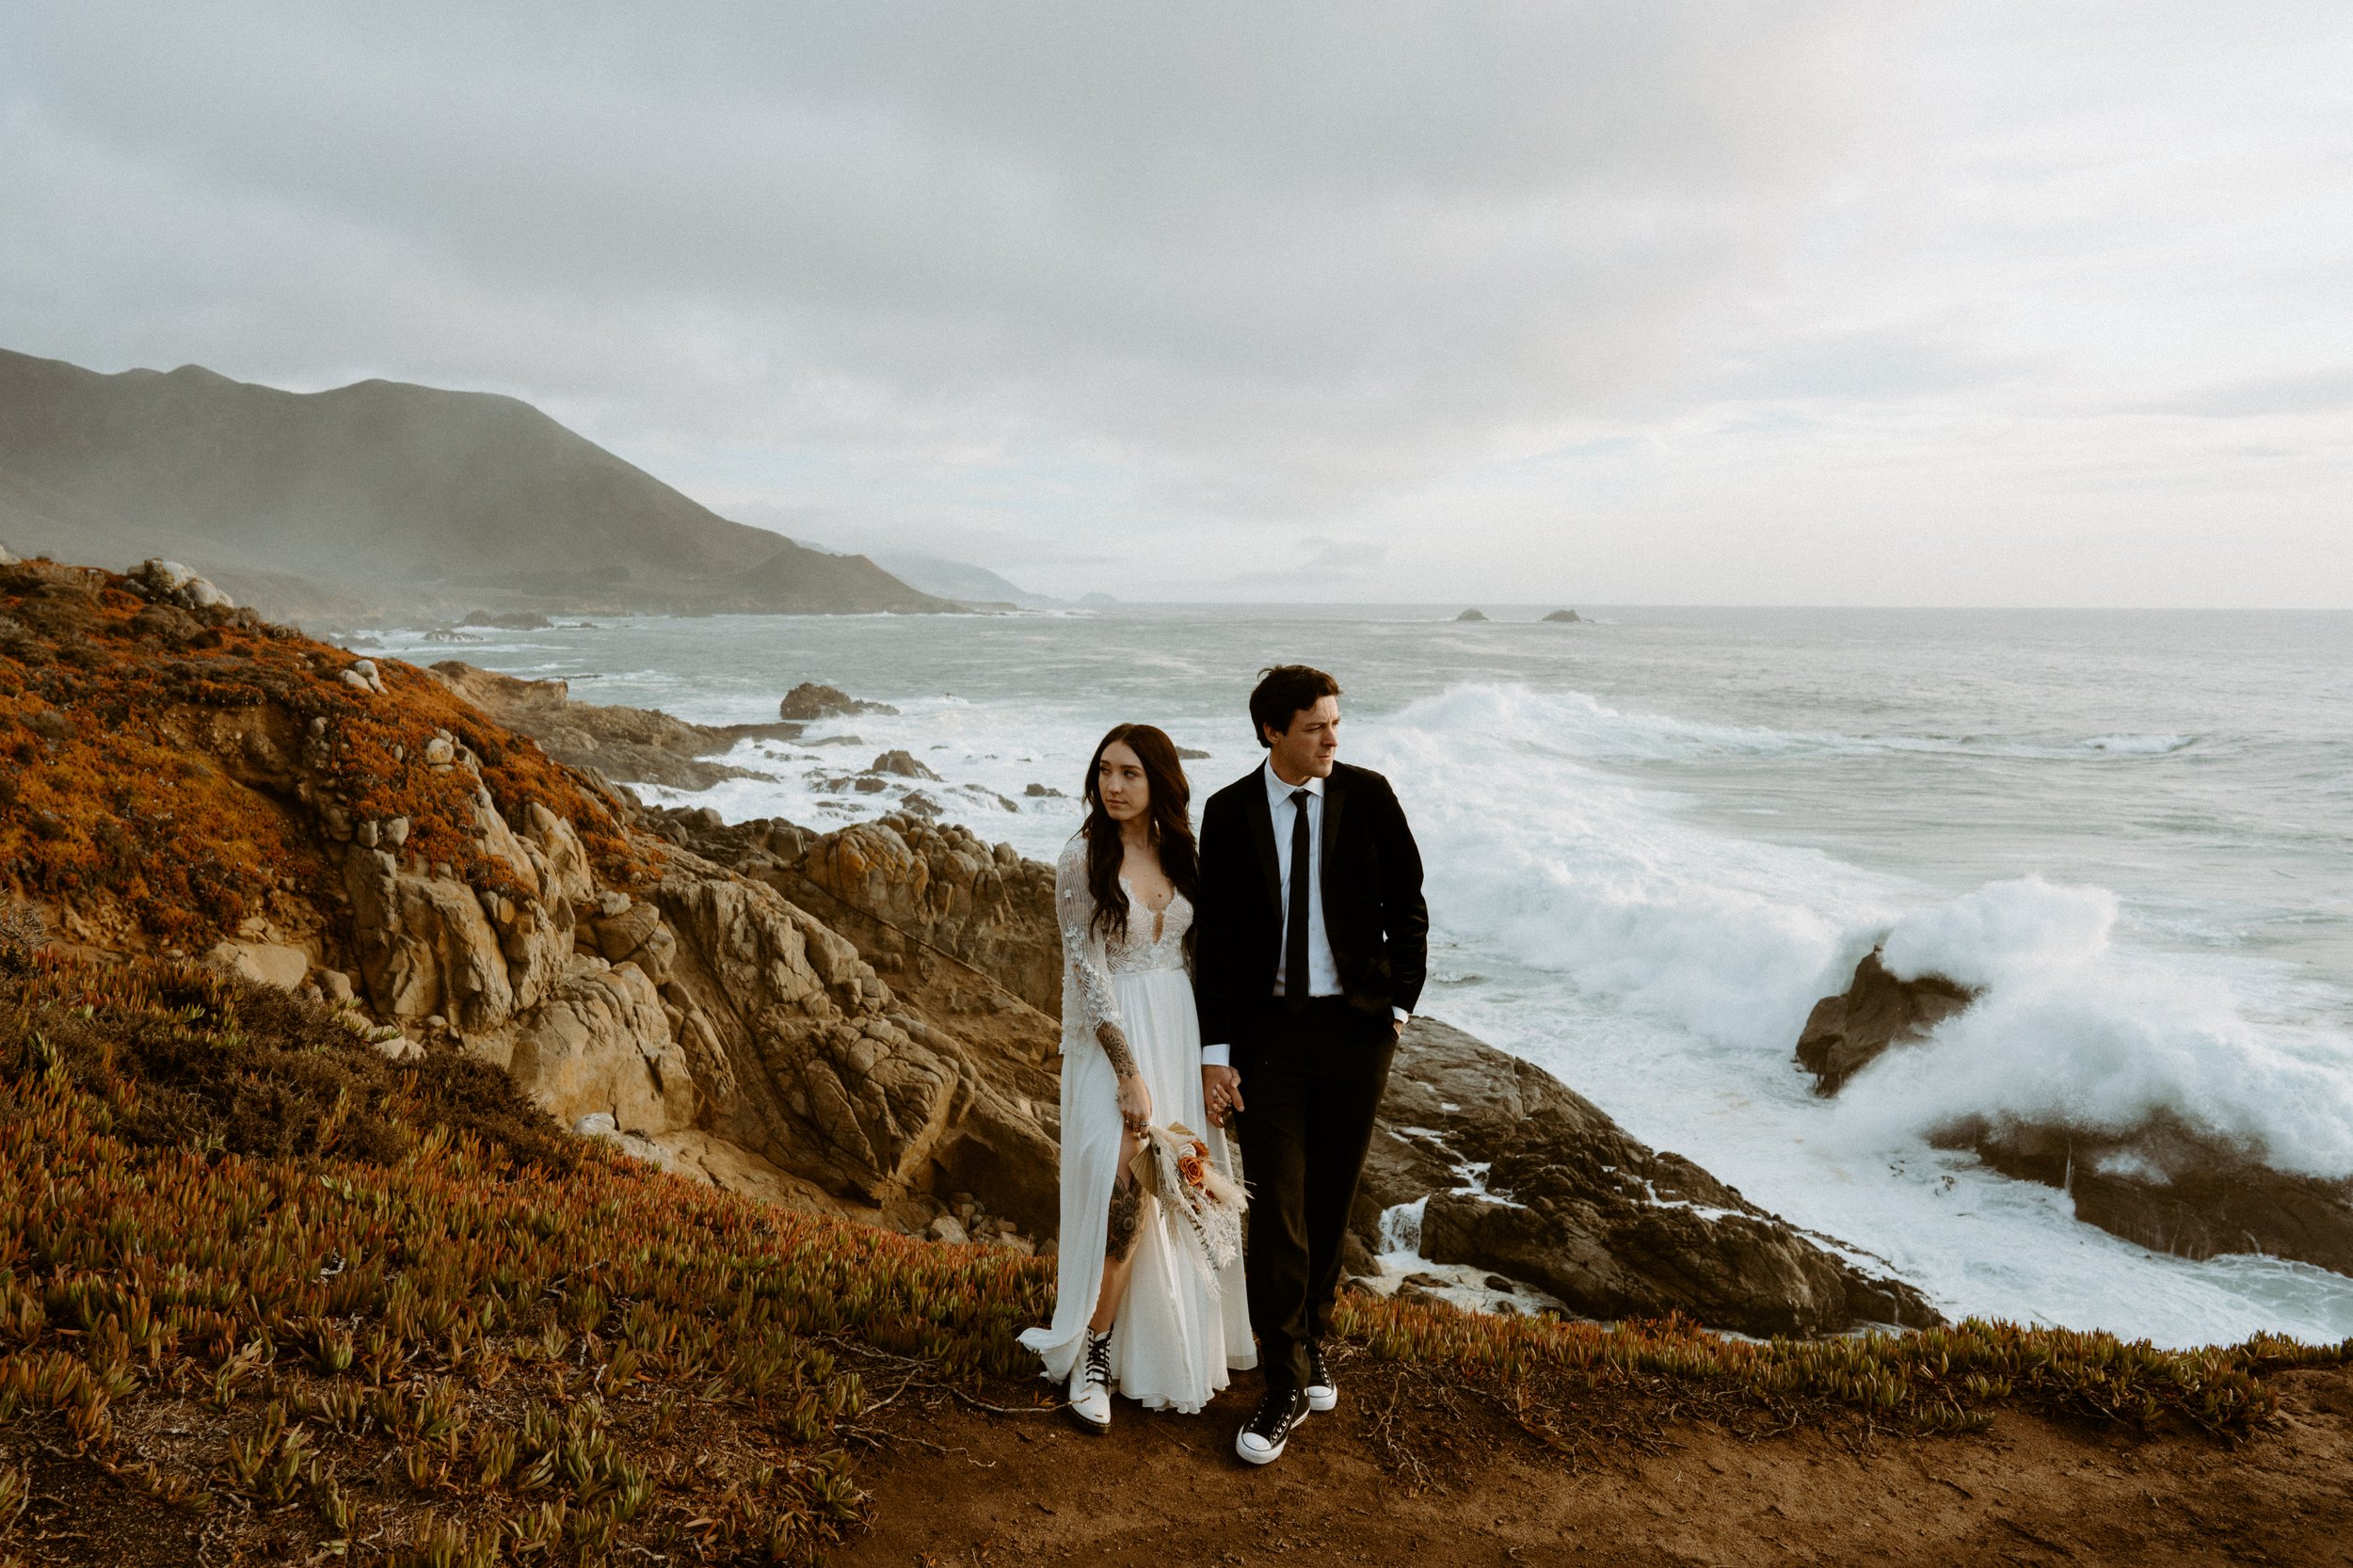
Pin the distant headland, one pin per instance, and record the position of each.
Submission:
(383, 497)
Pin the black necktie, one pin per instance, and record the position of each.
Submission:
(1295, 918)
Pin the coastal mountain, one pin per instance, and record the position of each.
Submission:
(961, 581)
(383, 497)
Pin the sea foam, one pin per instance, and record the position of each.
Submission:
(2070, 1031)
(1536, 850)
(1581, 873)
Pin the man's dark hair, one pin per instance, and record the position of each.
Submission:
(1282, 692)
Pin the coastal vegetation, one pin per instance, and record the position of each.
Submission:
(260, 1286)
(131, 732)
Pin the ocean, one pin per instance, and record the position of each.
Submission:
(1655, 838)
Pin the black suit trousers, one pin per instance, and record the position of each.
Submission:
(1312, 1082)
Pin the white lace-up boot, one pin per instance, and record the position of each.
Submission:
(1091, 1384)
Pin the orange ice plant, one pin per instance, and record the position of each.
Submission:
(160, 769)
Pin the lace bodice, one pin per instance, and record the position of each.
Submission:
(1090, 959)
(1140, 951)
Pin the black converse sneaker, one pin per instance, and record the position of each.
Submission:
(1322, 1393)
(1261, 1441)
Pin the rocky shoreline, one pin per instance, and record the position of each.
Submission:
(1514, 1171)
(861, 1022)
(642, 746)
(1510, 1171)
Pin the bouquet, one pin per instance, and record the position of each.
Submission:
(1203, 1204)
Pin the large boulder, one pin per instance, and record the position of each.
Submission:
(601, 1043)
(280, 964)
(433, 945)
(170, 582)
(426, 950)
(1847, 1033)
(829, 1075)
(808, 702)
(1519, 1174)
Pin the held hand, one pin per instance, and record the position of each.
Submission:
(1135, 1102)
(1221, 1091)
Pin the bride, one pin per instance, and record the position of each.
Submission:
(1137, 1308)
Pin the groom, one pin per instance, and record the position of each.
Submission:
(1312, 946)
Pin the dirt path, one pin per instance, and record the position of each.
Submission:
(1167, 1490)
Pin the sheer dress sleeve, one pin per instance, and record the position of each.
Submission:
(1089, 1006)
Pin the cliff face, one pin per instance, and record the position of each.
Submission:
(182, 779)
(944, 888)
(382, 495)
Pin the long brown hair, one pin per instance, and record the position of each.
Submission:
(1170, 824)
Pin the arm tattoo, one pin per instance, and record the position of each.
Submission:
(1114, 1043)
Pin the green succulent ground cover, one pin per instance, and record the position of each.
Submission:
(264, 1291)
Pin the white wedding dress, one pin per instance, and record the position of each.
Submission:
(1180, 1328)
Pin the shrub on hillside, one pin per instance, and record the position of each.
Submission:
(160, 764)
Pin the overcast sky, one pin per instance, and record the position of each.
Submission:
(1978, 303)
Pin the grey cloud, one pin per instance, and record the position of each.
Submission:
(1264, 259)
(1863, 366)
(2319, 392)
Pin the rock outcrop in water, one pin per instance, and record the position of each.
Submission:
(2162, 1184)
(1847, 1033)
(808, 700)
(2173, 1189)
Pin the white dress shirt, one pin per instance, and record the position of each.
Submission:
(1323, 969)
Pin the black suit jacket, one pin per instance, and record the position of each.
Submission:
(1373, 905)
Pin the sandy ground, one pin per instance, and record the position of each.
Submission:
(969, 1488)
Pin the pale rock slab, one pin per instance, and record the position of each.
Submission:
(270, 963)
